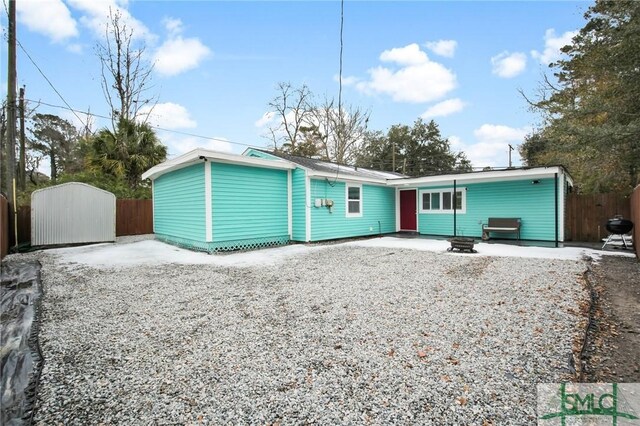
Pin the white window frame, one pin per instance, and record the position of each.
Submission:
(346, 199)
(461, 210)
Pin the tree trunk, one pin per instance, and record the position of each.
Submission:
(54, 170)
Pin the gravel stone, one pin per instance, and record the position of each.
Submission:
(345, 335)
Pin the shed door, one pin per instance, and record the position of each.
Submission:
(408, 210)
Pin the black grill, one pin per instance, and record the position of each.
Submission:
(618, 226)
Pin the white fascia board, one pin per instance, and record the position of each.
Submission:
(397, 209)
(307, 208)
(153, 207)
(345, 177)
(254, 161)
(198, 154)
(208, 219)
(290, 203)
(567, 177)
(464, 178)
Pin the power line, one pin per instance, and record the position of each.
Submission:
(340, 83)
(340, 67)
(50, 83)
(74, 110)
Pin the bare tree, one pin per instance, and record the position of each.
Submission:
(126, 75)
(33, 160)
(341, 130)
(292, 116)
(302, 127)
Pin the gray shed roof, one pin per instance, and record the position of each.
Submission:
(338, 169)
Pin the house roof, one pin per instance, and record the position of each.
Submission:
(199, 155)
(326, 169)
(333, 170)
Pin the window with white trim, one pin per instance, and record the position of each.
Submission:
(353, 197)
(441, 201)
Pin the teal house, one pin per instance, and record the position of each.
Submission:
(211, 201)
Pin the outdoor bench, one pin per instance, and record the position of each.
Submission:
(507, 225)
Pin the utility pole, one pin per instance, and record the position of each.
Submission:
(393, 156)
(11, 104)
(22, 165)
(510, 149)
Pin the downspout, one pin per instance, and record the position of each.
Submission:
(455, 218)
(556, 200)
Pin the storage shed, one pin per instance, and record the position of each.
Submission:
(72, 213)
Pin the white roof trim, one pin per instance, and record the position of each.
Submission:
(489, 176)
(197, 154)
(54, 187)
(492, 176)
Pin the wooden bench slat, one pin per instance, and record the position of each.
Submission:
(501, 224)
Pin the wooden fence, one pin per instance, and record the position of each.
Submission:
(24, 225)
(8, 229)
(585, 220)
(635, 218)
(587, 215)
(134, 217)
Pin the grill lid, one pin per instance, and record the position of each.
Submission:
(619, 225)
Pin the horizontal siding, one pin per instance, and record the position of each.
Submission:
(534, 204)
(178, 203)
(248, 202)
(299, 204)
(378, 206)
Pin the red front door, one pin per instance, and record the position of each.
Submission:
(408, 210)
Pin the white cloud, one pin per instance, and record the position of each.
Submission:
(75, 48)
(179, 144)
(456, 143)
(552, 46)
(178, 54)
(444, 108)
(508, 65)
(445, 48)
(417, 80)
(347, 81)
(419, 83)
(51, 18)
(96, 16)
(500, 133)
(167, 115)
(267, 118)
(81, 120)
(408, 55)
(492, 145)
(173, 25)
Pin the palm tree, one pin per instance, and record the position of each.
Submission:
(127, 153)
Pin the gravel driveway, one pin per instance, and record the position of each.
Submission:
(342, 335)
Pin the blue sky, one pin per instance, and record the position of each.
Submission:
(217, 63)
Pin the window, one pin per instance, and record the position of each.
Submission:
(354, 200)
(441, 201)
